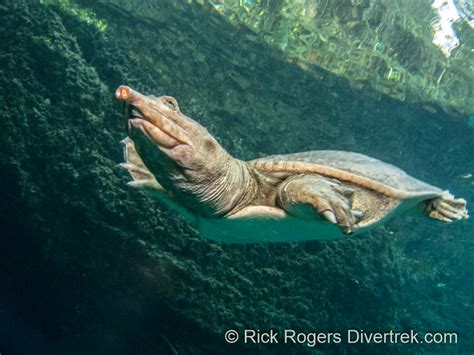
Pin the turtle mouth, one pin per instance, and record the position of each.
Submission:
(132, 112)
(138, 123)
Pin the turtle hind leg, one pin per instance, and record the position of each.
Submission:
(446, 208)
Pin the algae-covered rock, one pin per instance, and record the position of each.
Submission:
(89, 266)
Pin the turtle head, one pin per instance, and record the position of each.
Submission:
(175, 148)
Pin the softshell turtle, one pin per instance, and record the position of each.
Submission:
(304, 196)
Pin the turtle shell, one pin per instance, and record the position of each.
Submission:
(354, 168)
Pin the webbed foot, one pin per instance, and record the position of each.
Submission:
(446, 208)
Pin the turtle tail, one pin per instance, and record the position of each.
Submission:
(142, 177)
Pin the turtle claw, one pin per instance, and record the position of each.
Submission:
(347, 230)
(337, 210)
(358, 215)
(437, 215)
(346, 192)
(150, 184)
(132, 168)
(356, 218)
(330, 216)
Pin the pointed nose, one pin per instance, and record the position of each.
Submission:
(127, 94)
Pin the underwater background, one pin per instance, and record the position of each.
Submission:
(90, 266)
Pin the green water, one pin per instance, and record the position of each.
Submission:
(90, 266)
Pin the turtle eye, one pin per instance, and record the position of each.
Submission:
(170, 102)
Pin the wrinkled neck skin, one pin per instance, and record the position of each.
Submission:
(185, 158)
(219, 192)
(214, 186)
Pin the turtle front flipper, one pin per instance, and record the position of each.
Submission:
(308, 196)
(446, 208)
(142, 177)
